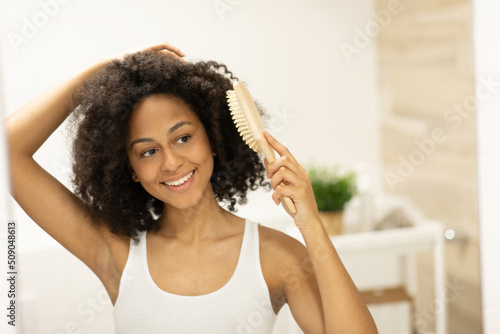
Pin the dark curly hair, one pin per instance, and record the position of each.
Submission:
(100, 119)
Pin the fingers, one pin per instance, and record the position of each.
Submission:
(284, 162)
(165, 46)
(291, 182)
(172, 54)
(286, 158)
(285, 176)
(283, 191)
(286, 183)
(277, 146)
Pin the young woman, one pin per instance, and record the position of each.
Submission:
(155, 151)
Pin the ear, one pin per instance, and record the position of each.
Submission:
(131, 170)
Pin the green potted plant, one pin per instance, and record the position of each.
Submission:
(332, 190)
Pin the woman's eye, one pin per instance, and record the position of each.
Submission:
(148, 153)
(183, 139)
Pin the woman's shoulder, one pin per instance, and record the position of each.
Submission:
(280, 247)
(283, 259)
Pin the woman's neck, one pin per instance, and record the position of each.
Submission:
(207, 220)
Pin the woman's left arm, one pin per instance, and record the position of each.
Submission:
(343, 309)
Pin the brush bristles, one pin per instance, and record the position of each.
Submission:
(240, 121)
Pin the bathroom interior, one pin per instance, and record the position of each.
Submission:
(402, 92)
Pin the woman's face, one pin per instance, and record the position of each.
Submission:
(169, 151)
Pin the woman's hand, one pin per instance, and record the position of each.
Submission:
(163, 47)
(288, 178)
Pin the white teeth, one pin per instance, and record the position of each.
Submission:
(180, 181)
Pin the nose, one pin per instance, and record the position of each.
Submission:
(171, 161)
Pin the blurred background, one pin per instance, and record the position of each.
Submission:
(402, 92)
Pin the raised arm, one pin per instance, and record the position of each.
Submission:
(320, 292)
(48, 202)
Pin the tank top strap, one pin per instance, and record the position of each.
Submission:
(246, 256)
(249, 260)
(134, 268)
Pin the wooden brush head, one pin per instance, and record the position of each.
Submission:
(247, 119)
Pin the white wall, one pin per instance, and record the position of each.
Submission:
(487, 64)
(323, 106)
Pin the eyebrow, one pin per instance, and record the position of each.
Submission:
(169, 132)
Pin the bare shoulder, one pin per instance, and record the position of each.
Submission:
(281, 256)
(280, 245)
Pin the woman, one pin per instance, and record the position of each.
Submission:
(155, 151)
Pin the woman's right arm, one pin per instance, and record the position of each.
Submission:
(47, 201)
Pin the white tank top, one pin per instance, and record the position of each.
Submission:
(242, 305)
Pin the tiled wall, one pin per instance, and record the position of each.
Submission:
(428, 135)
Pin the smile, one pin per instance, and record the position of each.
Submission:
(179, 182)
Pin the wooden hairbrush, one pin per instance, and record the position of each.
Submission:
(249, 124)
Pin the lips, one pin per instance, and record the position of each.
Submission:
(180, 181)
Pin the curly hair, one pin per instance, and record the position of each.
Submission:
(100, 118)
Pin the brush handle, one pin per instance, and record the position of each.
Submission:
(255, 123)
